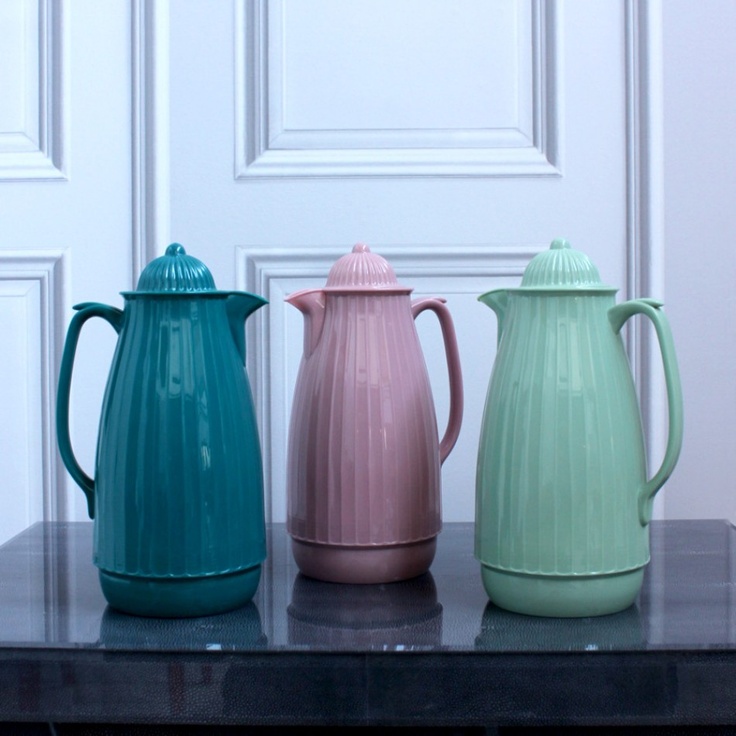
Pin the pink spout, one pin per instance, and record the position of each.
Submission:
(311, 303)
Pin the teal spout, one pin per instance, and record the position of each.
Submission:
(497, 300)
(239, 306)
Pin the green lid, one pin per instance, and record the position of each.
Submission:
(562, 267)
(175, 271)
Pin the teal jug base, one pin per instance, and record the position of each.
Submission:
(180, 597)
(564, 596)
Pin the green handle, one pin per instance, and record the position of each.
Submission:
(651, 308)
(115, 317)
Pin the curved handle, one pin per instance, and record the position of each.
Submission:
(453, 367)
(651, 308)
(115, 317)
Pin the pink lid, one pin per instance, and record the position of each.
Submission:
(361, 270)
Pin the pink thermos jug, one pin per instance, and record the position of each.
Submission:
(364, 453)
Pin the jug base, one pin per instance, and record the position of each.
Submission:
(364, 565)
(180, 597)
(564, 596)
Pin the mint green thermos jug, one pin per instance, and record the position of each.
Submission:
(177, 493)
(563, 497)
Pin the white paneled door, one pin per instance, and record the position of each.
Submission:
(268, 136)
(66, 211)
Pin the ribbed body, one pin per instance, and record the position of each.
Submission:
(364, 465)
(561, 461)
(179, 474)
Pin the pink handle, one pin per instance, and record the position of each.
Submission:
(455, 419)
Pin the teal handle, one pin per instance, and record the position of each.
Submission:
(115, 317)
(651, 308)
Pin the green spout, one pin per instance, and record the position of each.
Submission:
(497, 300)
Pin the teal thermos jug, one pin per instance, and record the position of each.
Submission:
(177, 492)
(563, 496)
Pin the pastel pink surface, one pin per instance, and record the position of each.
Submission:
(364, 452)
(364, 565)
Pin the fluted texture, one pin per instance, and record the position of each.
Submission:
(180, 490)
(175, 271)
(362, 269)
(561, 458)
(561, 267)
(363, 459)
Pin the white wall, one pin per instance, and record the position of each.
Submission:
(229, 126)
(66, 235)
(459, 196)
(700, 233)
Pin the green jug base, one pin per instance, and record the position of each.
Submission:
(564, 596)
(180, 597)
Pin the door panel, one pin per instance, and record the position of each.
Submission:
(65, 204)
(456, 139)
(379, 88)
(268, 136)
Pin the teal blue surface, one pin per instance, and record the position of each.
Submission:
(177, 494)
(180, 597)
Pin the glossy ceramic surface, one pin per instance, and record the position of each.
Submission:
(563, 497)
(364, 452)
(177, 494)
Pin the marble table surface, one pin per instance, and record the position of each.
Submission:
(430, 651)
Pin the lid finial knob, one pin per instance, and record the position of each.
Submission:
(175, 271)
(175, 249)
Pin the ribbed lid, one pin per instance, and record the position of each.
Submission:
(362, 270)
(561, 267)
(175, 271)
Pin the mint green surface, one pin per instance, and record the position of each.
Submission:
(177, 494)
(563, 497)
(564, 596)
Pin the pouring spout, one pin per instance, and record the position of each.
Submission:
(311, 303)
(239, 306)
(497, 300)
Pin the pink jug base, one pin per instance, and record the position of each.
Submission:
(364, 565)
(563, 596)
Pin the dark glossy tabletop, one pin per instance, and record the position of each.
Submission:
(51, 598)
(380, 640)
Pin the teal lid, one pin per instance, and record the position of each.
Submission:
(562, 267)
(175, 271)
